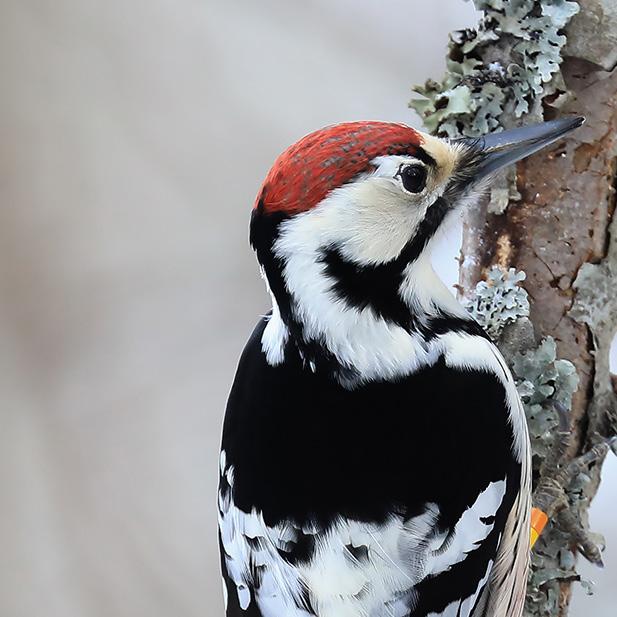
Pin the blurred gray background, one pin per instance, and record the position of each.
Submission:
(134, 137)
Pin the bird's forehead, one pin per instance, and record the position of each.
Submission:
(445, 154)
(324, 160)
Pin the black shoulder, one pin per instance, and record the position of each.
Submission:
(254, 378)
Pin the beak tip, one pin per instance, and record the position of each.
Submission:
(578, 121)
(565, 124)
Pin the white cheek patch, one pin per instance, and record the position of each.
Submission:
(370, 222)
(358, 338)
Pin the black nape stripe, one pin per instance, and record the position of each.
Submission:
(422, 155)
(264, 230)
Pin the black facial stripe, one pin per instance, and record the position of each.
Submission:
(444, 323)
(429, 225)
(377, 287)
(369, 286)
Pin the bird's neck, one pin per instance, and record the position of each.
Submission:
(361, 324)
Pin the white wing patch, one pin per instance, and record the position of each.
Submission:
(356, 569)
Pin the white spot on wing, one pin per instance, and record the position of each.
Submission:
(469, 530)
(249, 544)
(244, 596)
(274, 336)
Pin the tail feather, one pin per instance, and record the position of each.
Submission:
(505, 596)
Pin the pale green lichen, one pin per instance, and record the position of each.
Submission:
(499, 70)
(551, 562)
(541, 379)
(499, 300)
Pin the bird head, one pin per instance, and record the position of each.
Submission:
(344, 221)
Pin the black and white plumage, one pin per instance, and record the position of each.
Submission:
(375, 459)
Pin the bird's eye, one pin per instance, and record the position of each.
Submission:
(413, 177)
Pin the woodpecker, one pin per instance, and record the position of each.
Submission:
(375, 459)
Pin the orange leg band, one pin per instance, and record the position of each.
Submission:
(538, 522)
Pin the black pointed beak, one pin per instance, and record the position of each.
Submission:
(498, 150)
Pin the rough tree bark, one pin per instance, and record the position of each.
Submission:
(557, 226)
(560, 223)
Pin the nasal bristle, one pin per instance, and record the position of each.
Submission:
(323, 160)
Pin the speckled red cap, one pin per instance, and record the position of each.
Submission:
(325, 159)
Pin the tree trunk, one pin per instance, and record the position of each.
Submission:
(553, 218)
(562, 222)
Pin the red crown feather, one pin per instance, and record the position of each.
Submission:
(324, 160)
